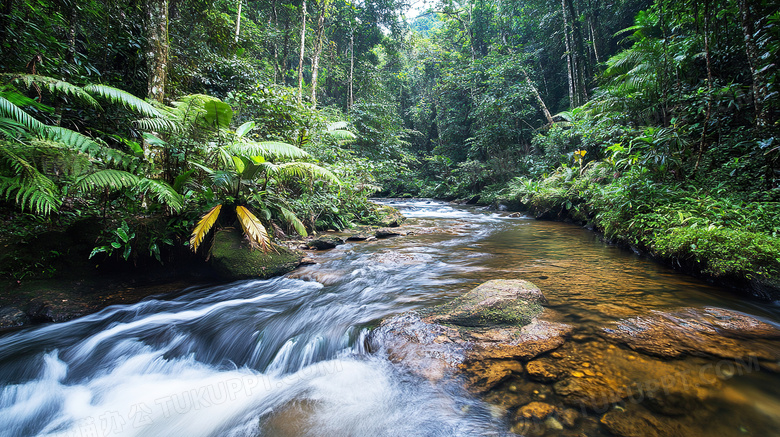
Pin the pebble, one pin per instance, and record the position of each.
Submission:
(577, 374)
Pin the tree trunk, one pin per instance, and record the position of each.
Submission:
(315, 63)
(351, 100)
(238, 20)
(707, 58)
(303, 48)
(569, 61)
(157, 54)
(546, 111)
(751, 49)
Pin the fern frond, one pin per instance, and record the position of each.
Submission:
(304, 170)
(341, 135)
(73, 140)
(129, 101)
(55, 86)
(111, 179)
(163, 193)
(337, 125)
(203, 227)
(268, 149)
(253, 228)
(15, 113)
(290, 217)
(158, 124)
(30, 188)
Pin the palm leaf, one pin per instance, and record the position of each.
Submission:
(73, 140)
(253, 228)
(338, 125)
(267, 149)
(203, 227)
(129, 101)
(107, 179)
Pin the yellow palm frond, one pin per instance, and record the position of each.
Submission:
(253, 228)
(204, 226)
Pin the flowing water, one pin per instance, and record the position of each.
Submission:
(287, 356)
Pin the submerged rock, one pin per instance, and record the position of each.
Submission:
(482, 334)
(699, 331)
(233, 259)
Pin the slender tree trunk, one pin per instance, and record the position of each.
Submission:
(238, 20)
(315, 63)
(703, 141)
(70, 57)
(351, 97)
(569, 63)
(751, 50)
(303, 48)
(157, 54)
(546, 112)
(580, 67)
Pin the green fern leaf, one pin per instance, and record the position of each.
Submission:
(107, 179)
(267, 149)
(9, 110)
(129, 101)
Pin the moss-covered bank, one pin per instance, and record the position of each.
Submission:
(706, 233)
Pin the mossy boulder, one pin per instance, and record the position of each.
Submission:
(389, 217)
(233, 258)
(499, 302)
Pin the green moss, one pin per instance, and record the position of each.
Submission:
(723, 252)
(232, 258)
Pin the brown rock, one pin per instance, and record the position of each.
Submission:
(696, 331)
(569, 417)
(485, 375)
(544, 370)
(535, 410)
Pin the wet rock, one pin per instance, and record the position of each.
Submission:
(698, 331)
(568, 417)
(306, 261)
(426, 349)
(485, 375)
(544, 370)
(325, 242)
(233, 259)
(637, 422)
(396, 257)
(480, 334)
(11, 317)
(388, 232)
(495, 303)
(535, 410)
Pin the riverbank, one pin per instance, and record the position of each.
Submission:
(52, 277)
(705, 233)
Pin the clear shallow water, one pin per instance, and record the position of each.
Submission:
(287, 356)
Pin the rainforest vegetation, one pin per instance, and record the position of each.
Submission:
(655, 122)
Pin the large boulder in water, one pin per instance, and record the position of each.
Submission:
(481, 334)
(389, 217)
(233, 258)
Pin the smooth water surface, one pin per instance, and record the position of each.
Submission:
(287, 356)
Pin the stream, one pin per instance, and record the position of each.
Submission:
(288, 356)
